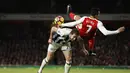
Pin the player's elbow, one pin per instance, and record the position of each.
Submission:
(105, 33)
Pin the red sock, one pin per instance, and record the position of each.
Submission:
(91, 44)
(72, 15)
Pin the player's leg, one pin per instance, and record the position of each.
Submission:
(91, 43)
(72, 15)
(68, 56)
(83, 45)
(50, 53)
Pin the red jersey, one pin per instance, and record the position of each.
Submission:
(88, 27)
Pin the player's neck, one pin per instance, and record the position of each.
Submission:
(92, 17)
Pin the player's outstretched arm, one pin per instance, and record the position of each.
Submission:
(108, 32)
(53, 29)
(82, 45)
(72, 15)
(74, 23)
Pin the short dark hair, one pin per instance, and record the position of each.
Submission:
(94, 11)
(75, 31)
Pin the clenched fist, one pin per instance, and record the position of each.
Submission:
(121, 29)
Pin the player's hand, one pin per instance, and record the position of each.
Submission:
(50, 41)
(121, 29)
(85, 51)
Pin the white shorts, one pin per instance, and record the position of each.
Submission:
(53, 47)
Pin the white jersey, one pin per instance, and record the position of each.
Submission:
(60, 40)
(61, 36)
(64, 31)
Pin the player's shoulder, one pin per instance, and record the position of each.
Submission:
(54, 28)
(100, 22)
(85, 17)
(63, 31)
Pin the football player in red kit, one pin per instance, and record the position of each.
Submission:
(87, 27)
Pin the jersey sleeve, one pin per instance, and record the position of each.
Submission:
(72, 24)
(104, 30)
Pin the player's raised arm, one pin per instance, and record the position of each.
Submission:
(74, 23)
(53, 29)
(108, 32)
(82, 45)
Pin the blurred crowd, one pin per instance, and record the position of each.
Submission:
(26, 44)
(111, 50)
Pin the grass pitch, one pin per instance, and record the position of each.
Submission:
(61, 70)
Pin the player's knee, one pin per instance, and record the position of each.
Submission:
(69, 62)
(46, 60)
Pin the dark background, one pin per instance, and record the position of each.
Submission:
(59, 6)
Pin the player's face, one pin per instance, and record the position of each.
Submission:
(73, 37)
(97, 15)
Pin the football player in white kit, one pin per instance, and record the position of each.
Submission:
(61, 38)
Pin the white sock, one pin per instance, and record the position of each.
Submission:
(44, 62)
(67, 68)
